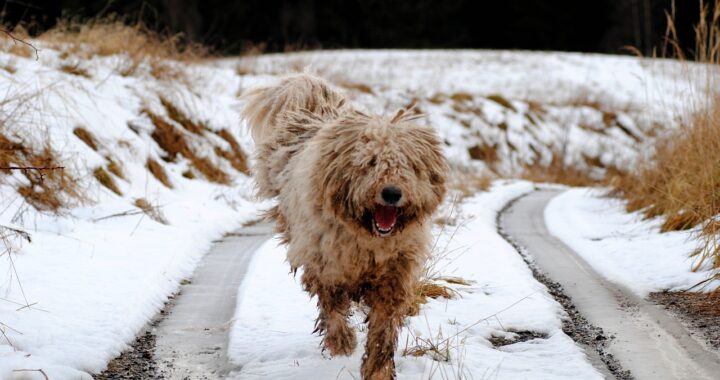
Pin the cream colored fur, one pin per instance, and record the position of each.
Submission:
(327, 164)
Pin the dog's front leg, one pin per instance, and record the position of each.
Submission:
(334, 306)
(388, 305)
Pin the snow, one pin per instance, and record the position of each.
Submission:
(271, 337)
(622, 246)
(96, 274)
(94, 280)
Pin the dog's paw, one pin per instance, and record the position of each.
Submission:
(340, 340)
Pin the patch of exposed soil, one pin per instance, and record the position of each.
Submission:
(575, 326)
(699, 311)
(135, 363)
(517, 337)
(138, 361)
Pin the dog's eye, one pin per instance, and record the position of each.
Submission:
(373, 162)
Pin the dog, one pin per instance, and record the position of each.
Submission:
(355, 194)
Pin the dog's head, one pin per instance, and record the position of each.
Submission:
(379, 175)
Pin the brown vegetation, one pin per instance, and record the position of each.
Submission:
(484, 152)
(106, 180)
(236, 156)
(181, 118)
(357, 87)
(75, 69)
(681, 182)
(153, 212)
(49, 188)
(173, 142)
(158, 172)
(109, 36)
(86, 137)
(502, 101)
(559, 172)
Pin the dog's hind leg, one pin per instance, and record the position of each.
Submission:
(332, 322)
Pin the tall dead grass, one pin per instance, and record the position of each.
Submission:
(112, 35)
(681, 182)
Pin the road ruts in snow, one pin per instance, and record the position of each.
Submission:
(644, 339)
(191, 341)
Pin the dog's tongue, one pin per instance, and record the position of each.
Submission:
(385, 216)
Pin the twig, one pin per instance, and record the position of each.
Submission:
(33, 370)
(18, 232)
(16, 40)
(38, 168)
(124, 213)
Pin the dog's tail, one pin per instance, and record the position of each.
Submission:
(266, 107)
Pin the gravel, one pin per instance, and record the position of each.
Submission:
(700, 312)
(575, 325)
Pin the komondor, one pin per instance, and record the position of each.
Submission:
(355, 195)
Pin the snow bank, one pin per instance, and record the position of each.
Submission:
(622, 246)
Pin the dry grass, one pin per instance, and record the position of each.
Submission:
(75, 69)
(558, 172)
(181, 118)
(681, 183)
(174, 143)
(111, 36)
(86, 137)
(236, 156)
(468, 182)
(158, 172)
(50, 188)
(460, 97)
(106, 180)
(484, 152)
(356, 87)
(153, 211)
(115, 168)
(502, 102)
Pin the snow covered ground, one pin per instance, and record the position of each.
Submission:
(271, 337)
(623, 246)
(94, 274)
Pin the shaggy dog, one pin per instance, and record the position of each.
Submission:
(355, 194)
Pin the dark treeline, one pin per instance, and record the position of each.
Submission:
(230, 26)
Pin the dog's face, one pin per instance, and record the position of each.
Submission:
(380, 176)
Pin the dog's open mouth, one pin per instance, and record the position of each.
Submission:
(384, 219)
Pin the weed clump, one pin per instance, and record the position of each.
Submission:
(153, 212)
(236, 156)
(49, 187)
(106, 180)
(86, 137)
(502, 102)
(75, 70)
(173, 142)
(178, 116)
(681, 183)
(158, 172)
(557, 171)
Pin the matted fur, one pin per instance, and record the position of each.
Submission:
(327, 165)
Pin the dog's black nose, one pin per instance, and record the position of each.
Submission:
(391, 194)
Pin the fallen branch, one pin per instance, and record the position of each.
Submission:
(16, 40)
(39, 169)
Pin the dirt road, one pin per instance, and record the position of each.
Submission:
(642, 337)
